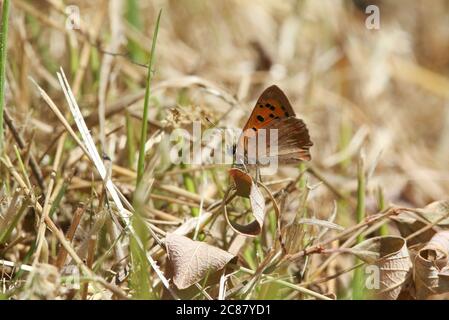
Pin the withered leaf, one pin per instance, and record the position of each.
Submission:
(253, 228)
(390, 257)
(409, 223)
(412, 220)
(192, 260)
(431, 274)
(437, 211)
(242, 182)
(444, 279)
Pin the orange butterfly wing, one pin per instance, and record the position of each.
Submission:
(274, 111)
(272, 104)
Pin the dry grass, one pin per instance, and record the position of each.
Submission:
(380, 93)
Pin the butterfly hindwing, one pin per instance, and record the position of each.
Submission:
(293, 140)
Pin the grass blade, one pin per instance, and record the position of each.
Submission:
(3, 50)
(358, 279)
(143, 134)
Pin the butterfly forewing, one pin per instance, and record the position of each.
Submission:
(271, 105)
(274, 112)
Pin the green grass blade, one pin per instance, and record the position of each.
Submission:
(143, 134)
(140, 281)
(358, 279)
(189, 184)
(3, 50)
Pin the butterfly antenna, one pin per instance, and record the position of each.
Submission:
(213, 125)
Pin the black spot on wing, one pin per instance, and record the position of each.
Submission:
(270, 106)
(260, 118)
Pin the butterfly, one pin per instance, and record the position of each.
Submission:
(272, 111)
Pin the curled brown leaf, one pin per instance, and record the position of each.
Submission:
(192, 260)
(253, 228)
(388, 262)
(431, 271)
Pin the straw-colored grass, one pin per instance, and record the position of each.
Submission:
(375, 102)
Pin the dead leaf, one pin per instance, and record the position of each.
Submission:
(436, 212)
(444, 279)
(391, 258)
(242, 182)
(253, 228)
(192, 260)
(409, 223)
(431, 274)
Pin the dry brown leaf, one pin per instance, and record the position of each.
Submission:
(192, 260)
(253, 228)
(409, 223)
(242, 182)
(391, 258)
(436, 211)
(444, 279)
(431, 274)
